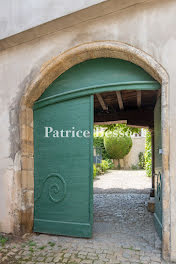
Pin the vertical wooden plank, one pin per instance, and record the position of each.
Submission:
(91, 157)
(152, 193)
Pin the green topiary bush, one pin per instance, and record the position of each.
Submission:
(117, 145)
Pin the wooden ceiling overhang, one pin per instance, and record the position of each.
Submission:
(134, 107)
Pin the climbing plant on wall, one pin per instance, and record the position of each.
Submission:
(148, 154)
(98, 143)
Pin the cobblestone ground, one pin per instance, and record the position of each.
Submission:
(123, 229)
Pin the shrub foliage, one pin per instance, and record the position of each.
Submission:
(101, 168)
(117, 145)
(148, 154)
(141, 163)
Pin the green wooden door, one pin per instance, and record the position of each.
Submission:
(63, 168)
(158, 167)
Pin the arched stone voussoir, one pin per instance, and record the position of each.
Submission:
(99, 49)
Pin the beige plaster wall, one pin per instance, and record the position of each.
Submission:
(149, 26)
(14, 15)
(132, 157)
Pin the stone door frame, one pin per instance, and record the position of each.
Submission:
(52, 70)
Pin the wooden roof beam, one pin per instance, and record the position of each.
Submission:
(139, 98)
(102, 103)
(111, 122)
(139, 117)
(119, 99)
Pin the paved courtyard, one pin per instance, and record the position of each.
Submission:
(123, 230)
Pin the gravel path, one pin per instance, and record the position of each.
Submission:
(116, 181)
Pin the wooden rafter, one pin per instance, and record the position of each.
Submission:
(119, 99)
(139, 99)
(111, 122)
(101, 101)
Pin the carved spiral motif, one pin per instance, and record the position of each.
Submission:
(56, 187)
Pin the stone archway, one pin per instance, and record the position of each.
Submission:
(53, 69)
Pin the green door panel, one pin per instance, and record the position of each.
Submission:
(96, 76)
(158, 167)
(63, 169)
